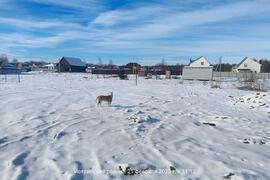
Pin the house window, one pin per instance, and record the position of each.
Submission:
(245, 65)
(202, 63)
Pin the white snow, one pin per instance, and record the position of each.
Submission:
(51, 128)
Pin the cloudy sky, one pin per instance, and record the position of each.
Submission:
(146, 31)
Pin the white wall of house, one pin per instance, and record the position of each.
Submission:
(201, 62)
(250, 64)
(49, 67)
(197, 73)
(200, 69)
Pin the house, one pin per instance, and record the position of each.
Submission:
(133, 67)
(199, 62)
(248, 65)
(142, 72)
(32, 65)
(49, 67)
(198, 69)
(70, 64)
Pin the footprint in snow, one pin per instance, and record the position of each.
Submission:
(24, 174)
(210, 124)
(139, 112)
(151, 120)
(141, 128)
(60, 135)
(228, 175)
(254, 141)
(19, 160)
(197, 123)
(24, 138)
(224, 117)
(3, 140)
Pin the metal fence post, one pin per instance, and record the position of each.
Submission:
(19, 78)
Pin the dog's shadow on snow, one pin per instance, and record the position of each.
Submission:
(152, 120)
(123, 106)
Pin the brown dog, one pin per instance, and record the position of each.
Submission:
(105, 98)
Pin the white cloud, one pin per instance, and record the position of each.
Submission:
(173, 23)
(78, 4)
(133, 16)
(19, 40)
(37, 24)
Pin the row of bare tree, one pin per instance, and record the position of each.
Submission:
(4, 59)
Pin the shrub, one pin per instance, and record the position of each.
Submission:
(252, 82)
(215, 85)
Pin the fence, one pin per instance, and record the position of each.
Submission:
(111, 71)
(10, 72)
(240, 75)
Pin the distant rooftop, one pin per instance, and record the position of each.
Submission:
(74, 61)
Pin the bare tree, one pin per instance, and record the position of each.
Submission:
(163, 63)
(110, 65)
(110, 62)
(3, 59)
(15, 60)
(99, 62)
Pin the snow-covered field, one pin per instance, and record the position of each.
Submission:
(51, 128)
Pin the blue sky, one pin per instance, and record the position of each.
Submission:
(146, 31)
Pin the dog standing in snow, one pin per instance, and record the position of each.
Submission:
(105, 98)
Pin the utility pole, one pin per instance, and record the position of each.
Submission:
(220, 60)
(19, 78)
(135, 71)
(136, 79)
(59, 69)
